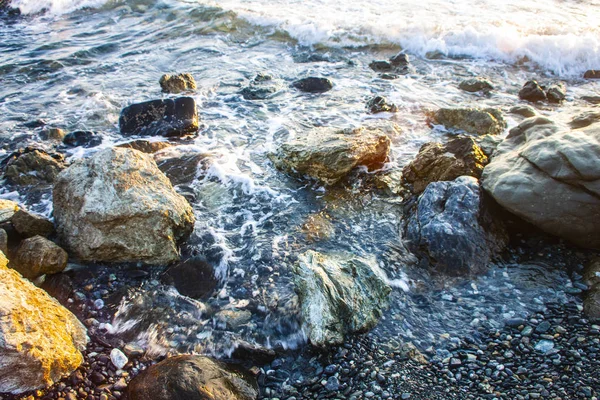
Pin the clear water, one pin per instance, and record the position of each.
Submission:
(76, 64)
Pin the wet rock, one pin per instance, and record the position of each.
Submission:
(489, 144)
(591, 99)
(532, 92)
(193, 277)
(381, 66)
(400, 59)
(476, 85)
(233, 319)
(258, 355)
(38, 256)
(548, 176)
(59, 286)
(585, 119)
(339, 294)
(40, 340)
(556, 93)
(145, 146)
(437, 162)
(168, 117)
(192, 378)
(318, 227)
(524, 111)
(487, 121)
(591, 302)
(118, 207)
(452, 228)
(380, 104)
(329, 154)
(28, 224)
(3, 241)
(55, 134)
(262, 87)
(591, 275)
(118, 359)
(33, 167)
(313, 85)
(177, 83)
(183, 164)
(85, 139)
(8, 209)
(592, 74)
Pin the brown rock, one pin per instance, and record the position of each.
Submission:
(145, 146)
(55, 134)
(28, 224)
(486, 121)
(592, 74)
(38, 256)
(32, 167)
(177, 83)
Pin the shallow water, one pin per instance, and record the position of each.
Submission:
(77, 64)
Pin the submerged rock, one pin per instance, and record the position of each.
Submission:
(339, 294)
(145, 146)
(193, 378)
(452, 229)
(262, 87)
(486, 121)
(193, 277)
(380, 104)
(549, 176)
(437, 162)
(168, 117)
(27, 224)
(313, 85)
(33, 167)
(85, 139)
(182, 164)
(38, 256)
(329, 154)
(177, 83)
(477, 84)
(585, 119)
(592, 74)
(532, 92)
(40, 340)
(117, 206)
(591, 301)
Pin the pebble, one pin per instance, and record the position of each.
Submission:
(118, 359)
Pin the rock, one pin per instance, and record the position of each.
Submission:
(8, 209)
(585, 119)
(591, 274)
(318, 227)
(192, 378)
(55, 134)
(489, 143)
(532, 92)
(59, 286)
(452, 228)
(85, 139)
(437, 162)
(549, 176)
(145, 146)
(118, 207)
(339, 294)
(591, 99)
(183, 164)
(380, 104)
(556, 93)
(177, 83)
(33, 167)
(233, 319)
(168, 117)
(591, 301)
(524, 111)
(476, 85)
(118, 359)
(38, 256)
(193, 278)
(262, 87)
(381, 66)
(313, 85)
(592, 74)
(40, 340)
(400, 59)
(329, 154)
(487, 121)
(3, 241)
(28, 224)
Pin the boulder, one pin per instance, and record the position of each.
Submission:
(85, 139)
(556, 93)
(145, 146)
(262, 87)
(40, 340)
(329, 154)
(33, 167)
(340, 294)
(592, 74)
(168, 117)
(380, 104)
(585, 119)
(193, 378)
(118, 207)
(313, 85)
(177, 83)
(487, 121)
(532, 92)
(8, 209)
(550, 177)
(438, 162)
(38, 256)
(182, 164)
(193, 277)
(476, 85)
(524, 111)
(27, 224)
(452, 229)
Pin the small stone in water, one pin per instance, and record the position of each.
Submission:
(99, 304)
(118, 358)
(544, 346)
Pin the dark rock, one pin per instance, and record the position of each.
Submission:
(31, 166)
(485, 121)
(3, 241)
(381, 66)
(389, 76)
(532, 91)
(258, 355)
(37, 256)
(592, 74)
(262, 87)
(400, 59)
(182, 164)
(192, 378)
(193, 278)
(145, 146)
(52, 134)
(28, 225)
(313, 85)
(177, 83)
(83, 139)
(452, 227)
(169, 117)
(476, 85)
(380, 104)
(59, 286)
(591, 99)
(556, 93)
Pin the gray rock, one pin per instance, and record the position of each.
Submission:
(591, 302)
(524, 111)
(38, 256)
(556, 93)
(487, 121)
(585, 119)
(380, 104)
(233, 319)
(591, 99)
(452, 229)
(476, 85)
(550, 177)
(329, 154)
(192, 378)
(339, 294)
(532, 92)
(262, 87)
(177, 83)
(3, 241)
(28, 224)
(118, 207)
(33, 167)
